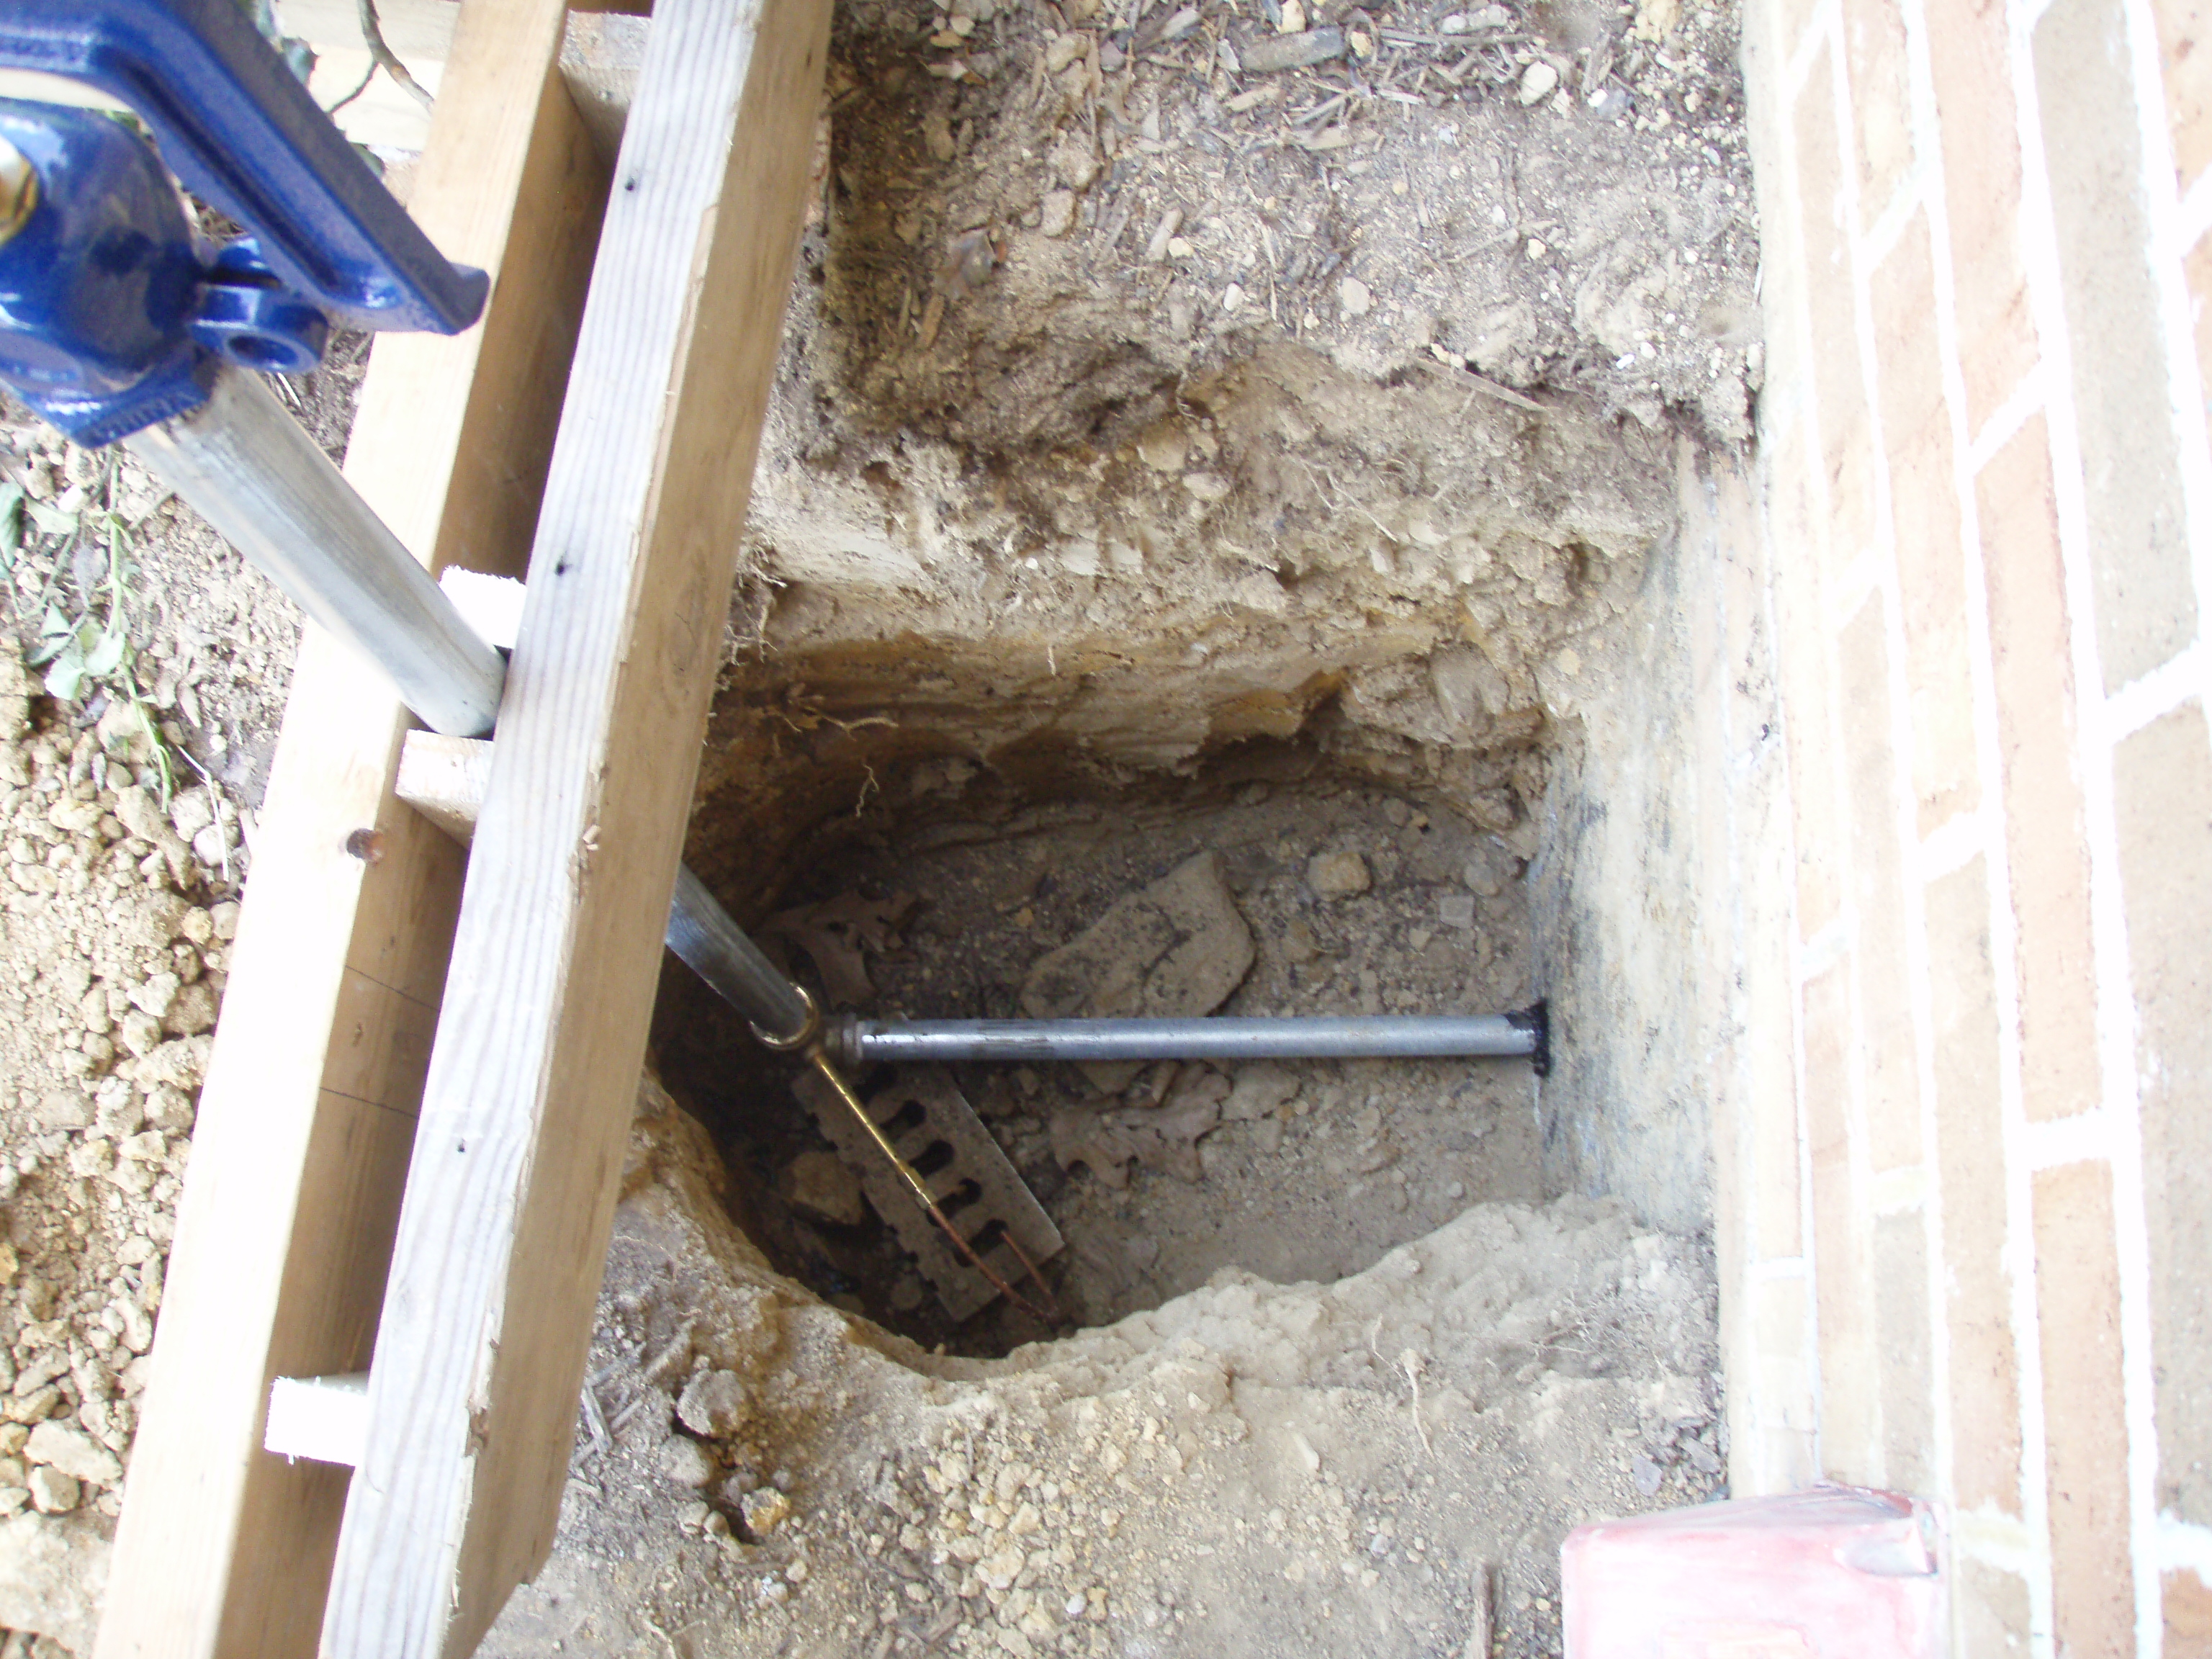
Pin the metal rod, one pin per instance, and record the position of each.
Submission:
(246, 464)
(257, 477)
(700, 932)
(875, 1041)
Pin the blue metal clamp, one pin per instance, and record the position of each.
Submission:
(109, 307)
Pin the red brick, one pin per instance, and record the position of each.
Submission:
(1969, 53)
(1839, 388)
(1924, 515)
(2085, 1432)
(2039, 759)
(1877, 888)
(2131, 470)
(1989, 1610)
(2197, 270)
(2162, 789)
(1881, 107)
(1801, 652)
(1908, 1374)
(1984, 1370)
(1839, 1267)
(2185, 54)
(2188, 1615)
(1794, 15)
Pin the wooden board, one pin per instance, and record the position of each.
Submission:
(488, 1313)
(305, 1120)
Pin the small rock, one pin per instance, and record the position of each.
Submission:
(1074, 163)
(713, 1403)
(53, 1493)
(1485, 872)
(937, 135)
(223, 917)
(64, 1108)
(1337, 875)
(1538, 82)
(1063, 50)
(1164, 448)
(191, 812)
(169, 1111)
(142, 1032)
(763, 1509)
(192, 1011)
(686, 1461)
(1000, 1569)
(74, 1453)
(155, 996)
(1354, 297)
(818, 1184)
(1259, 1090)
(1647, 1474)
(1456, 910)
(1058, 210)
(212, 846)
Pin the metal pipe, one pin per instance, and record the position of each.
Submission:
(246, 464)
(700, 932)
(257, 477)
(860, 1042)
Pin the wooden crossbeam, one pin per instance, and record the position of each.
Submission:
(307, 1114)
(511, 1190)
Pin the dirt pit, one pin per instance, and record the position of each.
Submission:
(1315, 897)
(1246, 437)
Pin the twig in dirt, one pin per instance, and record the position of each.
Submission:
(372, 32)
(868, 786)
(1410, 1361)
(215, 797)
(596, 1418)
(1478, 1633)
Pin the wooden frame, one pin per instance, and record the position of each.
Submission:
(307, 1116)
(502, 1238)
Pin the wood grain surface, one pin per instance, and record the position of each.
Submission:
(306, 1119)
(502, 1238)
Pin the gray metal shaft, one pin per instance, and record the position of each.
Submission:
(700, 932)
(256, 475)
(246, 464)
(1406, 1037)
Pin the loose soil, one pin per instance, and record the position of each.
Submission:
(1171, 456)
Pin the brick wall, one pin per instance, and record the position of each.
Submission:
(1964, 1130)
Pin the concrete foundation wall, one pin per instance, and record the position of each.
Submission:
(1963, 1073)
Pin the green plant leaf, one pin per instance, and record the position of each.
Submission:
(66, 677)
(105, 654)
(51, 520)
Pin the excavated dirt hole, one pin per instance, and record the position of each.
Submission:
(1295, 1170)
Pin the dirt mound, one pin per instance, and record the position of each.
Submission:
(1368, 1467)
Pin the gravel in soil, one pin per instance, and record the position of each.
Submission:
(1380, 1466)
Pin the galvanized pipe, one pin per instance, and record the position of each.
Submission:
(859, 1042)
(702, 933)
(258, 478)
(256, 475)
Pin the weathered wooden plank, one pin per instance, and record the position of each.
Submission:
(488, 1315)
(300, 1150)
(445, 779)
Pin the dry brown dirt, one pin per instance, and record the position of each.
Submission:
(1171, 455)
